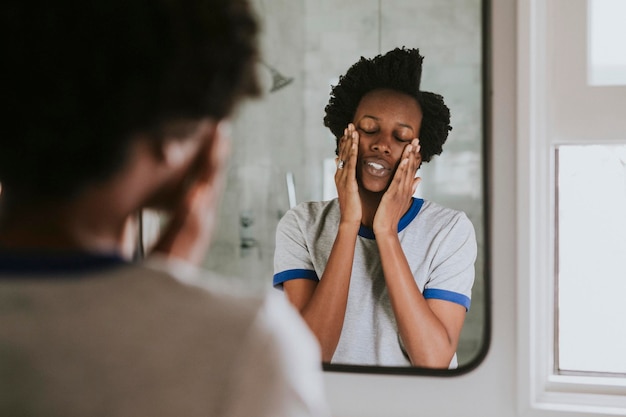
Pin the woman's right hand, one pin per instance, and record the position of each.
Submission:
(345, 177)
(323, 303)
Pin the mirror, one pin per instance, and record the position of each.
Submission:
(283, 154)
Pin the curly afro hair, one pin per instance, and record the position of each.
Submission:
(401, 70)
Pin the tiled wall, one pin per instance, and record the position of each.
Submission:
(315, 41)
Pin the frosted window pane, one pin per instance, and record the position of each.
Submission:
(591, 259)
(607, 42)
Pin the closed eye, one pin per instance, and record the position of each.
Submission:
(368, 132)
(374, 131)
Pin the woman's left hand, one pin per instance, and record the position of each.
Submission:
(397, 198)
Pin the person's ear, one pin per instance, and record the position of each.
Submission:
(182, 147)
(188, 233)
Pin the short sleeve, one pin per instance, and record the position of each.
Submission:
(292, 258)
(453, 271)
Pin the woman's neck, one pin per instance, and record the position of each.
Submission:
(369, 205)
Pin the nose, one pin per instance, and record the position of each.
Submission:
(382, 143)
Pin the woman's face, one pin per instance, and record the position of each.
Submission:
(387, 121)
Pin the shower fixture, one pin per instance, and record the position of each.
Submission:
(278, 80)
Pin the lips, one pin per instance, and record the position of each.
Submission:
(377, 167)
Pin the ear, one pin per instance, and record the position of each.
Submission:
(182, 144)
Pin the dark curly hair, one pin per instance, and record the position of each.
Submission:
(82, 77)
(399, 69)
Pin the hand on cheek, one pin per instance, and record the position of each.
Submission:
(345, 177)
(397, 198)
(417, 156)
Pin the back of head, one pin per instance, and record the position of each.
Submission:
(82, 77)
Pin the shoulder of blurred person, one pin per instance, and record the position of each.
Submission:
(156, 338)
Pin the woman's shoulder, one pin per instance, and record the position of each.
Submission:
(435, 213)
(432, 208)
(316, 206)
(313, 211)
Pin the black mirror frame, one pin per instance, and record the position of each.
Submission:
(486, 142)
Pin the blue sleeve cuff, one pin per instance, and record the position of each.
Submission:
(446, 295)
(290, 274)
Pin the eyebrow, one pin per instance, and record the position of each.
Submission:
(399, 124)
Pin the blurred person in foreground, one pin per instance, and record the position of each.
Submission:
(117, 106)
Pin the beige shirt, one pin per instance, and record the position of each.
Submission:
(152, 340)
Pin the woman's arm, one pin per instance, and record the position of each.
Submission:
(429, 329)
(323, 304)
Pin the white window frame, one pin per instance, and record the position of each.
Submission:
(540, 388)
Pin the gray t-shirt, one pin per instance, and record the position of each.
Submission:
(439, 244)
(160, 338)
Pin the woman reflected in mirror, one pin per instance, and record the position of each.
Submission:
(381, 277)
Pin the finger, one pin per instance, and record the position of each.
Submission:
(416, 157)
(408, 184)
(399, 179)
(416, 147)
(343, 159)
(345, 144)
(416, 161)
(354, 147)
(407, 155)
(418, 150)
(345, 171)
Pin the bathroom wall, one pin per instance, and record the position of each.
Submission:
(314, 41)
(268, 142)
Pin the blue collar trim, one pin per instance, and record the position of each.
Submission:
(39, 264)
(408, 217)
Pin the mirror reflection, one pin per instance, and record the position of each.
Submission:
(381, 277)
(289, 155)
